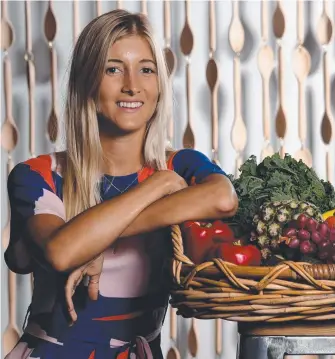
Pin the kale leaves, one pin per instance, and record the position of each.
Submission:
(277, 179)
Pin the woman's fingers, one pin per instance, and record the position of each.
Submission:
(93, 286)
(72, 282)
(94, 272)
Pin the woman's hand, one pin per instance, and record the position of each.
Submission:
(171, 181)
(93, 270)
(177, 182)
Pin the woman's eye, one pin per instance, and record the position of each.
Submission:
(112, 70)
(148, 70)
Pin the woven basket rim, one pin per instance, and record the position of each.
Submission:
(287, 291)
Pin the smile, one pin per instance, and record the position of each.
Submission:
(132, 105)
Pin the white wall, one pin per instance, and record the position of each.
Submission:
(250, 12)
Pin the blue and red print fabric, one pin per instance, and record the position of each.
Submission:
(126, 320)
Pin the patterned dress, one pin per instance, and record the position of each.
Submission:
(126, 320)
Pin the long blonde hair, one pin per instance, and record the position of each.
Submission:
(84, 155)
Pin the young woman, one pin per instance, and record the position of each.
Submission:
(102, 209)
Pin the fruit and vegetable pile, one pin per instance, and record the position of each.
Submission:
(285, 213)
(206, 240)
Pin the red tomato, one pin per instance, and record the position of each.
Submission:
(197, 239)
(248, 255)
(331, 222)
(222, 232)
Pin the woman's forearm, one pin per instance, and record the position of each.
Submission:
(215, 198)
(93, 231)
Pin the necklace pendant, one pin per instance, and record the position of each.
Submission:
(111, 183)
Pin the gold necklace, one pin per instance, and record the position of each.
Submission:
(111, 183)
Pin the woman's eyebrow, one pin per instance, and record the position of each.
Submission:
(115, 60)
(141, 61)
(148, 60)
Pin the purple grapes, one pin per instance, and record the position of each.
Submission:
(308, 237)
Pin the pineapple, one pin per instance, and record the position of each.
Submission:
(271, 219)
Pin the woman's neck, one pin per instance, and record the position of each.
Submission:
(123, 155)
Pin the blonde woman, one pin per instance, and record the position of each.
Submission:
(101, 209)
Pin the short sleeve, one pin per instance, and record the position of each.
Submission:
(194, 166)
(30, 192)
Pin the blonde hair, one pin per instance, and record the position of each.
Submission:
(84, 155)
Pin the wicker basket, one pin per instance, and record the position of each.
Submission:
(289, 291)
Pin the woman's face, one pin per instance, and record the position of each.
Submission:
(129, 89)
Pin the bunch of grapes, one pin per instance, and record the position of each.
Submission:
(310, 238)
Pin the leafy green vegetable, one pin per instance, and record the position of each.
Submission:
(277, 179)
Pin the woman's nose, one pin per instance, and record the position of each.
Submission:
(131, 84)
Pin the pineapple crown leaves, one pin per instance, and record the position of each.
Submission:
(278, 179)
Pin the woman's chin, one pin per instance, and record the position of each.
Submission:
(122, 130)
(122, 126)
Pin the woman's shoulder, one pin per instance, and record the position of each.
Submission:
(43, 163)
(185, 155)
(42, 168)
(192, 165)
